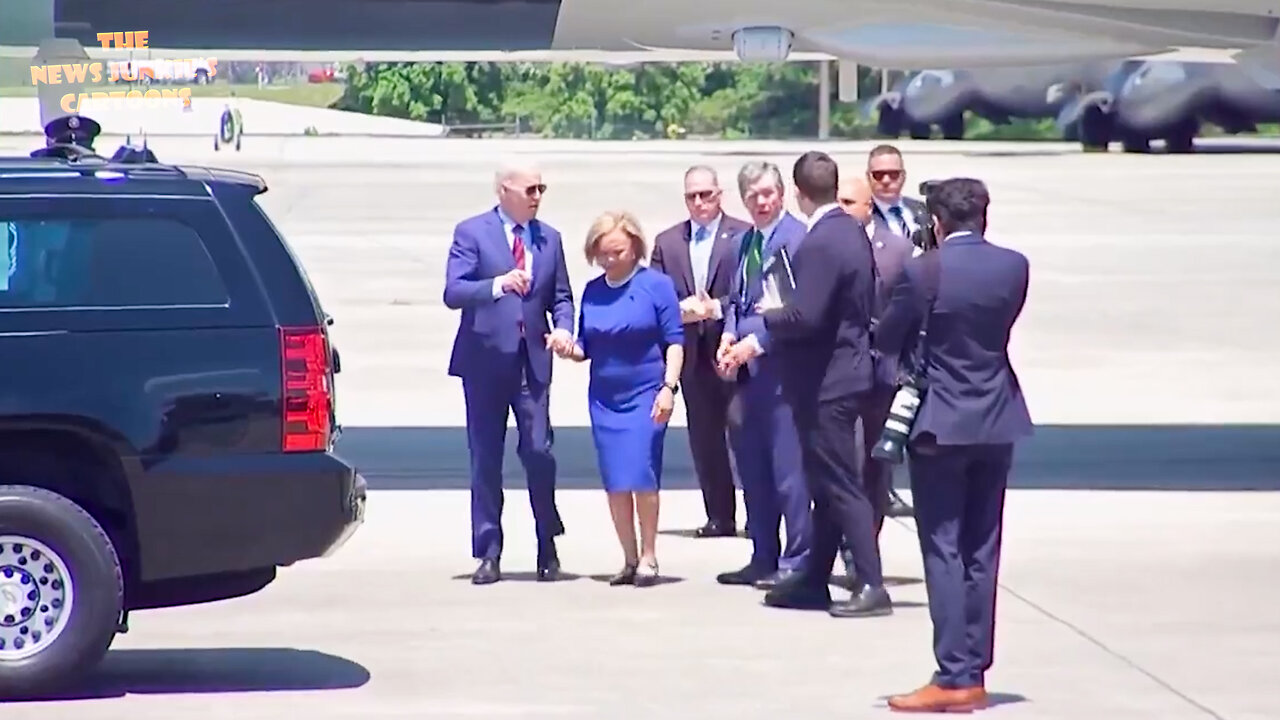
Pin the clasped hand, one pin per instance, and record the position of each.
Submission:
(516, 281)
(732, 354)
(560, 342)
(696, 308)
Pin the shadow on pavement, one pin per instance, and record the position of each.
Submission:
(1077, 457)
(213, 670)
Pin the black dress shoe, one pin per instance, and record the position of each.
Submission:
(773, 580)
(715, 529)
(870, 602)
(488, 572)
(549, 572)
(744, 576)
(548, 562)
(897, 506)
(796, 594)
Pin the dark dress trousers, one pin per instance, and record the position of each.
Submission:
(821, 340)
(706, 394)
(501, 356)
(766, 444)
(962, 441)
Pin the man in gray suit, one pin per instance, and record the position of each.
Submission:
(887, 175)
(891, 252)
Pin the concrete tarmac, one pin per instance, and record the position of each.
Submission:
(1145, 351)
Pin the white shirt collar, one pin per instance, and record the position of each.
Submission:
(712, 228)
(767, 230)
(957, 234)
(819, 213)
(507, 222)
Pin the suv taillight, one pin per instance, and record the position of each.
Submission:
(306, 393)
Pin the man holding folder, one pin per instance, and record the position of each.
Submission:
(820, 332)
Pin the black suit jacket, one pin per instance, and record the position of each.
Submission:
(671, 257)
(822, 337)
(916, 206)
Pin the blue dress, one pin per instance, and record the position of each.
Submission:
(624, 333)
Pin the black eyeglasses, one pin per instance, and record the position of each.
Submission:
(882, 175)
(703, 195)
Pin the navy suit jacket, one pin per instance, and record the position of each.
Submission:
(974, 397)
(822, 338)
(740, 316)
(488, 339)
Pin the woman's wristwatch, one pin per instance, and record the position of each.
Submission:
(673, 387)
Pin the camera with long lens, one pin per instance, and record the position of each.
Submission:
(892, 445)
(924, 236)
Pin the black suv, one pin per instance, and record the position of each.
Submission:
(166, 403)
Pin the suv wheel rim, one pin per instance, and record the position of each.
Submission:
(36, 595)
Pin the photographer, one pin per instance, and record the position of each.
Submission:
(961, 301)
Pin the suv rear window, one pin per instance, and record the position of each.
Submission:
(108, 262)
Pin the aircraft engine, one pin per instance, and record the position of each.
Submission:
(763, 44)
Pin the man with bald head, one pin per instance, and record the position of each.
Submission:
(506, 272)
(891, 252)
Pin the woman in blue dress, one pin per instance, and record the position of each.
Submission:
(629, 329)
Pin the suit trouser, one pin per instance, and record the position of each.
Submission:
(706, 401)
(489, 399)
(958, 492)
(841, 506)
(767, 448)
(878, 474)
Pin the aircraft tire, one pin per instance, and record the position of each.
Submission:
(953, 127)
(1134, 143)
(1094, 129)
(919, 131)
(889, 122)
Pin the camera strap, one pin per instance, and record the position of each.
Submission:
(932, 265)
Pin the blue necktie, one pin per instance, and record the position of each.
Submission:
(700, 269)
(900, 221)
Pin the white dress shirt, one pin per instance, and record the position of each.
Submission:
(508, 228)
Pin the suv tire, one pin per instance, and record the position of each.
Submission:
(59, 569)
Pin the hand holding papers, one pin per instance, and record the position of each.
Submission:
(778, 281)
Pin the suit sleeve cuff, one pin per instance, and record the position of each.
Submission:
(754, 342)
(497, 288)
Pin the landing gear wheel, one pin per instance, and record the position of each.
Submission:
(1094, 129)
(919, 131)
(889, 122)
(1135, 143)
(953, 128)
(61, 591)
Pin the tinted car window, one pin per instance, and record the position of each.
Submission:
(128, 262)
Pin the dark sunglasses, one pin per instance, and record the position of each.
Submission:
(882, 175)
(703, 195)
(533, 190)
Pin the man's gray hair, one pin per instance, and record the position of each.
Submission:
(694, 169)
(751, 173)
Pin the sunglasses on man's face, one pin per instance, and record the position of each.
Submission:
(703, 195)
(882, 175)
(535, 190)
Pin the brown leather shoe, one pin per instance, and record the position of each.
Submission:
(934, 699)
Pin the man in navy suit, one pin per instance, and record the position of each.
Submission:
(891, 251)
(765, 442)
(968, 294)
(823, 346)
(506, 272)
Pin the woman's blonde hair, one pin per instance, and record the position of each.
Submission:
(616, 220)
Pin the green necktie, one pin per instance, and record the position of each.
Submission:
(753, 260)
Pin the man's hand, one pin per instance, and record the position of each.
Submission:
(726, 342)
(696, 308)
(737, 356)
(516, 281)
(560, 342)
